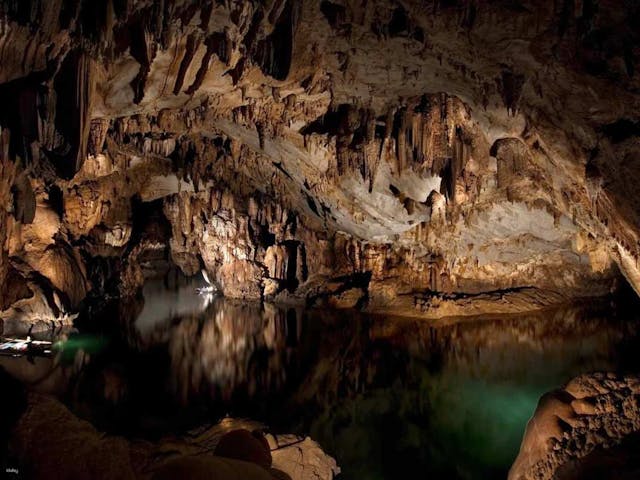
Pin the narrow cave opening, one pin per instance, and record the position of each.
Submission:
(312, 204)
(148, 219)
(333, 12)
(621, 130)
(151, 232)
(265, 237)
(274, 53)
(292, 280)
(56, 200)
(399, 23)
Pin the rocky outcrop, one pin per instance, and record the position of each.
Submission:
(6, 177)
(67, 447)
(324, 152)
(591, 413)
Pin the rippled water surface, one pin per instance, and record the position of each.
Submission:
(385, 396)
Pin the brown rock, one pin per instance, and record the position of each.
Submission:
(245, 445)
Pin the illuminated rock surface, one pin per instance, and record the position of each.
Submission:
(571, 429)
(387, 154)
(425, 159)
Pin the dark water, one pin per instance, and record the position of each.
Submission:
(386, 397)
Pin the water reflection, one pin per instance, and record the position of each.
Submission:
(168, 298)
(382, 394)
(386, 396)
(232, 347)
(452, 401)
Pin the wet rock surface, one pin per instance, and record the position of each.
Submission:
(48, 441)
(580, 429)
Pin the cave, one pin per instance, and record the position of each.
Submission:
(319, 239)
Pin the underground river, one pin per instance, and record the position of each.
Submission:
(384, 396)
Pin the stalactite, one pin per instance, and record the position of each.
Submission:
(189, 52)
(97, 135)
(594, 182)
(7, 177)
(510, 87)
(301, 264)
(158, 146)
(401, 140)
(458, 161)
(388, 131)
(24, 200)
(107, 31)
(143, 48)
(420, 137)
(274, 53)
(260, 129)
(512, 159)
(75, 87)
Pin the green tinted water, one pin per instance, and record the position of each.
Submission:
(387, 397)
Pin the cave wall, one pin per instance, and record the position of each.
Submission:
(388, 155)
(7, 173)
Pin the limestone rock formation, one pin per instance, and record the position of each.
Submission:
(323, 152)
(68, 447)
(591, 412)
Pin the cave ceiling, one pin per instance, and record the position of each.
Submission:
(350, 153)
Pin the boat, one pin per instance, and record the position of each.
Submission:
(18, 347)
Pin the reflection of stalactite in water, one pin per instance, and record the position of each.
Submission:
(233, 348)
(356, 360)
